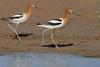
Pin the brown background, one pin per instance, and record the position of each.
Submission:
(83, 31)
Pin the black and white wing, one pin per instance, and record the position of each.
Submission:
(53, 22)
(14, 17)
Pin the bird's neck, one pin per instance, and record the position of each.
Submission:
(66, 18)
(29, 11)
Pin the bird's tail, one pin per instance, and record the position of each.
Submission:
(6, 19)
(38, 23)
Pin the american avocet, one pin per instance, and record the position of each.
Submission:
(56, 24)
(19, 18)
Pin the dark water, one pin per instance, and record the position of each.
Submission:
(47, 60)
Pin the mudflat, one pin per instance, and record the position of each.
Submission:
(81, 36)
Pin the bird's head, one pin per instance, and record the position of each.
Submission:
(31, 5)
(69, 11)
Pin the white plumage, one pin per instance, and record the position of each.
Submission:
(20, 18)
(55, 24)
(17, 19)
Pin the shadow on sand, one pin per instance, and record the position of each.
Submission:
(22, 35)
(59, 45)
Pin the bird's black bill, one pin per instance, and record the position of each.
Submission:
(77, 14)
(38, 8)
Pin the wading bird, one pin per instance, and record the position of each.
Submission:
(19, 18)
(56, 24)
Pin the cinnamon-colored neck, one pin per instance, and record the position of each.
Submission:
(66, 17)
(29, 10)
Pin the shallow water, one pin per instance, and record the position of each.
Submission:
(47, 60)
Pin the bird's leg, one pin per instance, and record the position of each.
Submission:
(53, 39)
(14, 32)
(16, 27)
(43, 36)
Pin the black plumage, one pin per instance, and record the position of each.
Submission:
(16, 16)
(58, 19)
(53, 24)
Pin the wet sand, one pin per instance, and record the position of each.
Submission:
(83, 32)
